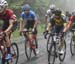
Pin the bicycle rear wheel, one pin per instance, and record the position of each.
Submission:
(72, 45)
(62, 57)
(52, 54)
(15, 54)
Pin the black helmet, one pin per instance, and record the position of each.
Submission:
(57, 12)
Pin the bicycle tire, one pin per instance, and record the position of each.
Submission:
(62, 58)
(14, 45)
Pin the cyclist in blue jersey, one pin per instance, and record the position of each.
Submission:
(28, 19)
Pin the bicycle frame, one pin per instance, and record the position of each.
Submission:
(30, 37)
(55, 37)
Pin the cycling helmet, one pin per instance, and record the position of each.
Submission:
(3, 4)
(52, 7)
(57, 12)
(25, 7)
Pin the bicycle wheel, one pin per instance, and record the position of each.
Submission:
(28, 49)
(52, 54)
(72, 45)
(48, 43)
(15, 54)
(62, 57)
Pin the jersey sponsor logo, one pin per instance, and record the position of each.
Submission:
(58, 22)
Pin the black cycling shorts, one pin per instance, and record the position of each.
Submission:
(30, 24)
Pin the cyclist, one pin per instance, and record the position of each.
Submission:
(49, 12)
(67, 15)
(56, 25)
(71, 22)
(9, 19)
(28, 20)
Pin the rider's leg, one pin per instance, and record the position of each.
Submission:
(8, 42)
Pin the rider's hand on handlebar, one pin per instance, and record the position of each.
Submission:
(45, 34)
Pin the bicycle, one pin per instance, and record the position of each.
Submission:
(30, 43)
(72, 43)
(54, 48)
(3, 51)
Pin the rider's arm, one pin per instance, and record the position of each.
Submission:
(46, 19)
(36, 21)
(69, 24)
(12, 20)
(35, 25)
(48, 27)
(21, 24)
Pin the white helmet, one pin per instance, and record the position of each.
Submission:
(3, 3)
(73, 13)
(52, 7)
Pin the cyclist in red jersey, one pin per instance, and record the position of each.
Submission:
(9, 19)
(71, 22)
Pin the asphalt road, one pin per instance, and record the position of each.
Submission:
(42, 57)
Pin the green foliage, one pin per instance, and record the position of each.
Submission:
(40, 29)
(35, 4)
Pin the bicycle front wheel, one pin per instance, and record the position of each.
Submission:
(15, 54)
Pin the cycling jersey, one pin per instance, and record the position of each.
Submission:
(72, 19)
(30, 16)
(29, 20)
(57, 24)
(8, 14)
